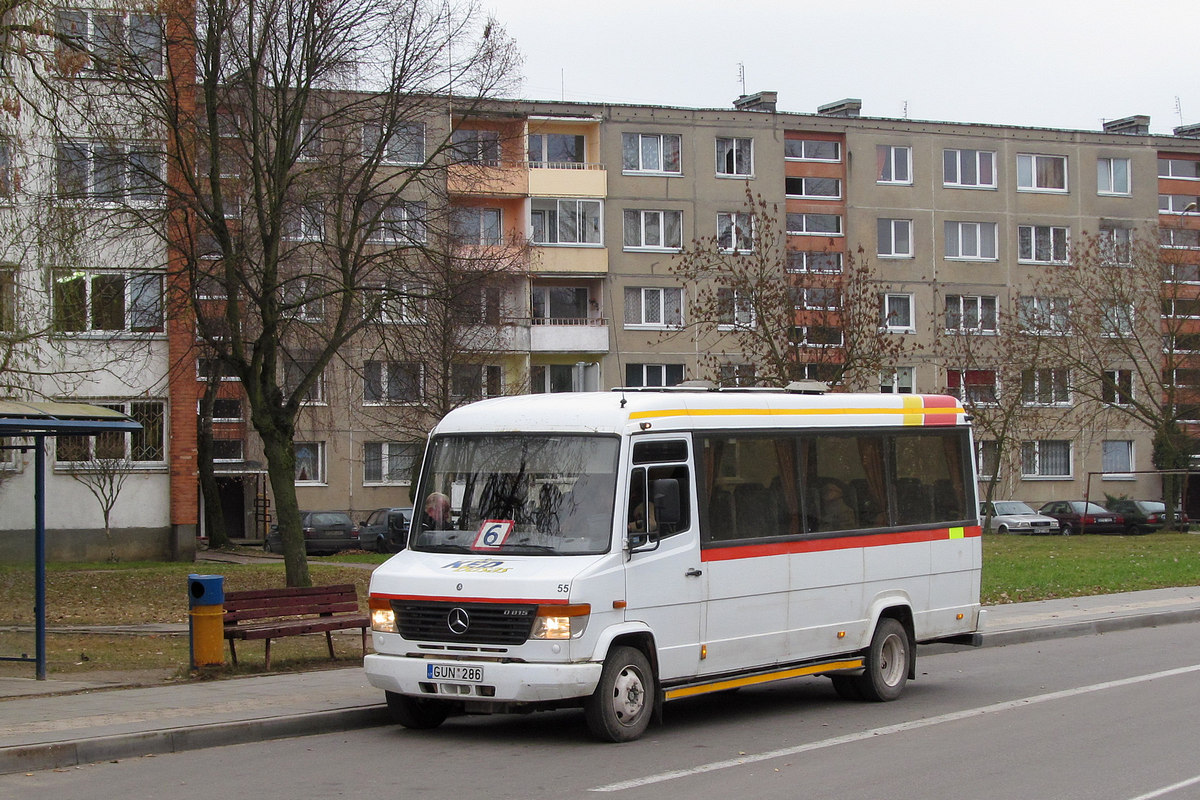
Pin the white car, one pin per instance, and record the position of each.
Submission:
(1013, 516)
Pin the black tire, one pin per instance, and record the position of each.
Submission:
(1065, 529)
(1136, 530)
(267, 547)
(889, 660)
(1002, 529)
(417, 713)
(847, 686)
(620, 708)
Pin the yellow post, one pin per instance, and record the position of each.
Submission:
(206, 595)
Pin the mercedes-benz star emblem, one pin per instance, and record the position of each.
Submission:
(458, 621)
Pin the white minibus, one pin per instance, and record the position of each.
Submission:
(618, 550)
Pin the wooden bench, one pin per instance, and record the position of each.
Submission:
(271, 613)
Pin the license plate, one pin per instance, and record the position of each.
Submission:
(454, 672)
(1104, 519)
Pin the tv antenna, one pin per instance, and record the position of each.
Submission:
(742, 76)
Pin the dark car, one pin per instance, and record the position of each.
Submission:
(1144, 516)
(386, 530)
(324, 532)
(1074, 517)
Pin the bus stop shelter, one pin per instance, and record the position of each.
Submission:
(39, 421)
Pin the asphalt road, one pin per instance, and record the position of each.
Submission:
(1105, 717)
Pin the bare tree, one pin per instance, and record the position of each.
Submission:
(104, 477)
(763, 313)
(303, 180)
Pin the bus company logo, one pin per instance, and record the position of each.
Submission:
(458, 621)
(489, 565)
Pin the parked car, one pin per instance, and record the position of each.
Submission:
(385, 530)
(1074, 516)
(1013, 516)
(1144, 516)
(324, 532)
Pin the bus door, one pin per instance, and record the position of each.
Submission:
(664, 579)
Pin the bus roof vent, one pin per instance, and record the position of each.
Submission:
(807, 387)
(698, 383)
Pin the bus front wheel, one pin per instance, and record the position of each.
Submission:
(888, 662)
(417, 713)
(620, 708)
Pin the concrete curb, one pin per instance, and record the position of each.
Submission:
(58, 755)
(1039, 633)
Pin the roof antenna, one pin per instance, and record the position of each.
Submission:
(742, 76)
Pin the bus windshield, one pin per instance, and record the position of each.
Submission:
(535, 494)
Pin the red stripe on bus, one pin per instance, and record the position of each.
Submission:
(557, 601)
(833, 543)
(939, 401)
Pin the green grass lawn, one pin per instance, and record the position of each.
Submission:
(1015, 569)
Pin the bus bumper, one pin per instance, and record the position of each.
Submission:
(499, 683)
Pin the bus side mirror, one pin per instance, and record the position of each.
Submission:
(666, 501)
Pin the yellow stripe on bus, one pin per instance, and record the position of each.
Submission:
(916, 414)
(734, 683)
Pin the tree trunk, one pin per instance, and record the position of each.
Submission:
(281, 470)
(214, 512)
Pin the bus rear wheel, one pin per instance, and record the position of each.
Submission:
(889, 660)
(620, 708)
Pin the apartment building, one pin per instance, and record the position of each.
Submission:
(590, 206)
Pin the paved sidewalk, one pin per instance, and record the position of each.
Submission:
(60, 723)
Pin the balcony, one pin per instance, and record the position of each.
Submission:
(568, 335)
(565, 259)
(499, 179)
(567, 179)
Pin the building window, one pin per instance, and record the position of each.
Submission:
(392, 382)
(1044, 315)
(475, 147)
(1112, 176)
(1117, 320)
(812, 261)
(734, 310)
(1181, 307)
(8, 299)
(651, 152)
(475, 226)
(894, 238)
(1179, 238)
(395, 222)
(114, 41)
(817, 298)
(1037, 173)
(987, 457)
(814, 224)
(556, 150)
(735, 157)
(389, 462)
(226, 450)
(971, 241)
(653, 230)
(651, 307)
(1042, 244)
(107, 301)
(736, 375)
(310, 462)
(227, 409)
(1181, 343)
(813, 188)
(638, 375)
(144, 447)
(553, 378)
(214, 369)
(897, 313)
(560, 305)
(7, 173)
(812, 150)
(566, 222)
(301, 298)
(304, 223)
(1116, 246)
(893, 164)
(1045, 387)
(1181, 273)
(1178, 204)
(1117, 387)
(1046, 458)
(1181, 168)
(970, 313)
(404, 145)
(969, 169)
(816, 336)
(120, 172)
(899, 380)
(735, 232)
(976, 386)
(1117, 458)
(476, 381)
(295, 371)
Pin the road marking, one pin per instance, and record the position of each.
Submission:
(1168, 789)
(902, 727)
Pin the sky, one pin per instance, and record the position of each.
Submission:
(1053, 63)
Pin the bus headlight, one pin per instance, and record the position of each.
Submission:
(561, 622)
(383, 619)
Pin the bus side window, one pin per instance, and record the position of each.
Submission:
(641, 517)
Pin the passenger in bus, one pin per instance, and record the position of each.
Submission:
(638, 522)
(836, 514)
(437, 513)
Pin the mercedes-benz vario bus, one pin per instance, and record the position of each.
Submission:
(619, 550)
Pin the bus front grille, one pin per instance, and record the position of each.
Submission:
(474, 623)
